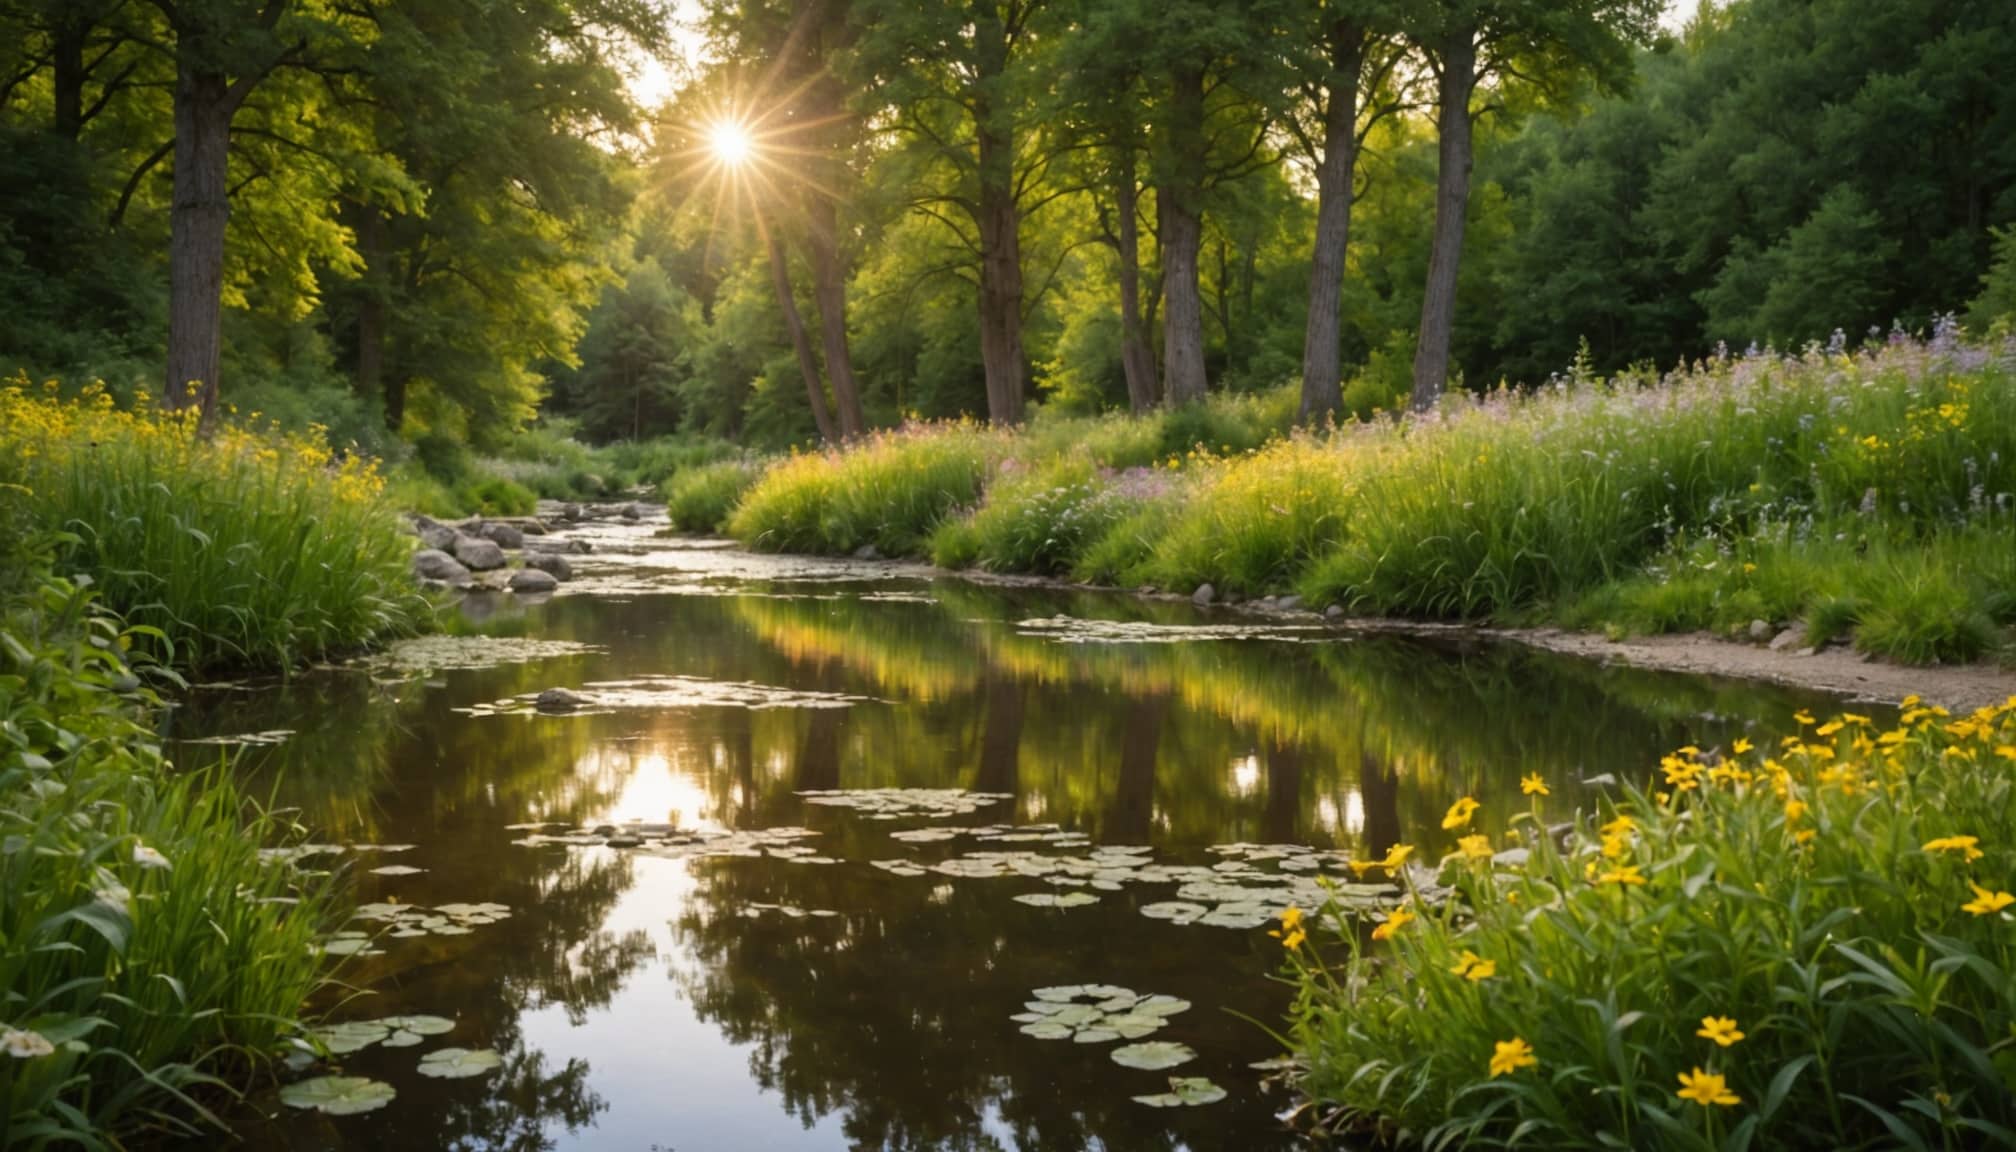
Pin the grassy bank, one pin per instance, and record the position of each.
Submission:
(1869, 496)
(1806, 944)
(150, 957)
(248, 548)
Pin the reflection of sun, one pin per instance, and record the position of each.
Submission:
(1246, 775)
(657, 792)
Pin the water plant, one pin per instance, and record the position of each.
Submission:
(1799, 945)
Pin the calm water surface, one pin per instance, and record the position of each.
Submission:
(643, 1002)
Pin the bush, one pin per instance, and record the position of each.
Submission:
(890, 490)
(243, 548)
(1840, 900)
(1256, 521)
(147, 950)
(497, 496)
(1039, 521)
(700, 499)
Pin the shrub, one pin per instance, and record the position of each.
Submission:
(1038, 521)
(1256, 521)
(889, 490)
(147, 950)
(1840, 900)
(498, 496)
(701, 498)
(244, 547)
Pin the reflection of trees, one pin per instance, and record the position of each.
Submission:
(520, 1107)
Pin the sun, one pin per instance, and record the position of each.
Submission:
(730, 142)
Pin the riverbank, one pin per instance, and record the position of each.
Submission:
(1865, 497)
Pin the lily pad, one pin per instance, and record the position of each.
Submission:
(1175, 911)
(1185, 1091)
(1095, 1013)
(459, 1063)
(1154, 1056)
(397, 870)
(354, 1036)
(338, 1095)
(1067, 900)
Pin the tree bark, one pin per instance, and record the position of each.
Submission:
(998, 219)
(370, 379)
(787, 303)
(1322, 383)
(67, 74)
(829, 291)
(1452, 205)
(204, 104)
(1179, 210)
(1137, 356)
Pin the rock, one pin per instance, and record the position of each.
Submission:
(557, 544)
(551, 563)
(558, 700)
(631, 512)
(1792, 637)
(867, 552)
(533, 580)
(1145, 590)
(1289, 603)
(503, 535)
(1760, 631)
(1204, 594)
(433, 533)
(434, 564)
(531, 527)
(1334, 612)
(571, 513)
(478, 554)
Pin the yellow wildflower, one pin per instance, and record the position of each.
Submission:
(1475, 847)
(1803, 717)
(1291, 918)
(1741, 746)
(1707, 1089)
(1721, 1029)
(1474, 968)
(1509, 1056)
(1459, 813)
(1986, 903)
(1966, 846)
(1622, 875)
(1394, 922)
(1294, 939)
(1534, 786)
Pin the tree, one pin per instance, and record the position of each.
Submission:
(1348, 65)
(1549, 44)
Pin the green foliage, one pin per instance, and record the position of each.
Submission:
(1835, 900)
(244, 549)
(1996, 305)
(890, 491)
(142, 937)
(701, 498)
(498, 496)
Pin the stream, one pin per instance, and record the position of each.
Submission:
(769, 885)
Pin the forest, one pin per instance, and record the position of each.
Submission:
(440, 224)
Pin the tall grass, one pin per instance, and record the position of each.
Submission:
(247, 547)
(701, 498)
(1870, 493)
(1840, 899)
(150, 956)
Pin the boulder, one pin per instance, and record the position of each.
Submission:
(557, 544)
(503, 535)
(1289, 603)
(632, 512)
(1204, 594)
(533, 580)
(551, 563)
(478, 554)
(434, 564)
(1334, 612)
(1760, 631)
(433, 533)
(867, 552)
(558, 700)
(1793, 637)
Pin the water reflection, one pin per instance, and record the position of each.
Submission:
(643, 1001)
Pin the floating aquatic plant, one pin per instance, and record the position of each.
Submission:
(1069, 630)
(1048, 900)
(459, 1063)
(274, 736)
(894, 803)
(659, 692)
(473, 653)
(1185, 1092)
(338, 1095)
(1154, 1055)
(1095, 1013)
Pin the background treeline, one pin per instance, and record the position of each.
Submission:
(443, 214)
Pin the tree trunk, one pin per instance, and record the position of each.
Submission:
(370, 379)
(1001, 738)
(787, 303)
(1284, 793)
(66, 52)
(1137, 357)
(829, 291)
(1322, 384)
(1000, 283)
(395, 402)
(1179, 207)
(1131, 819)
(204, 104)
(1452, 205)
